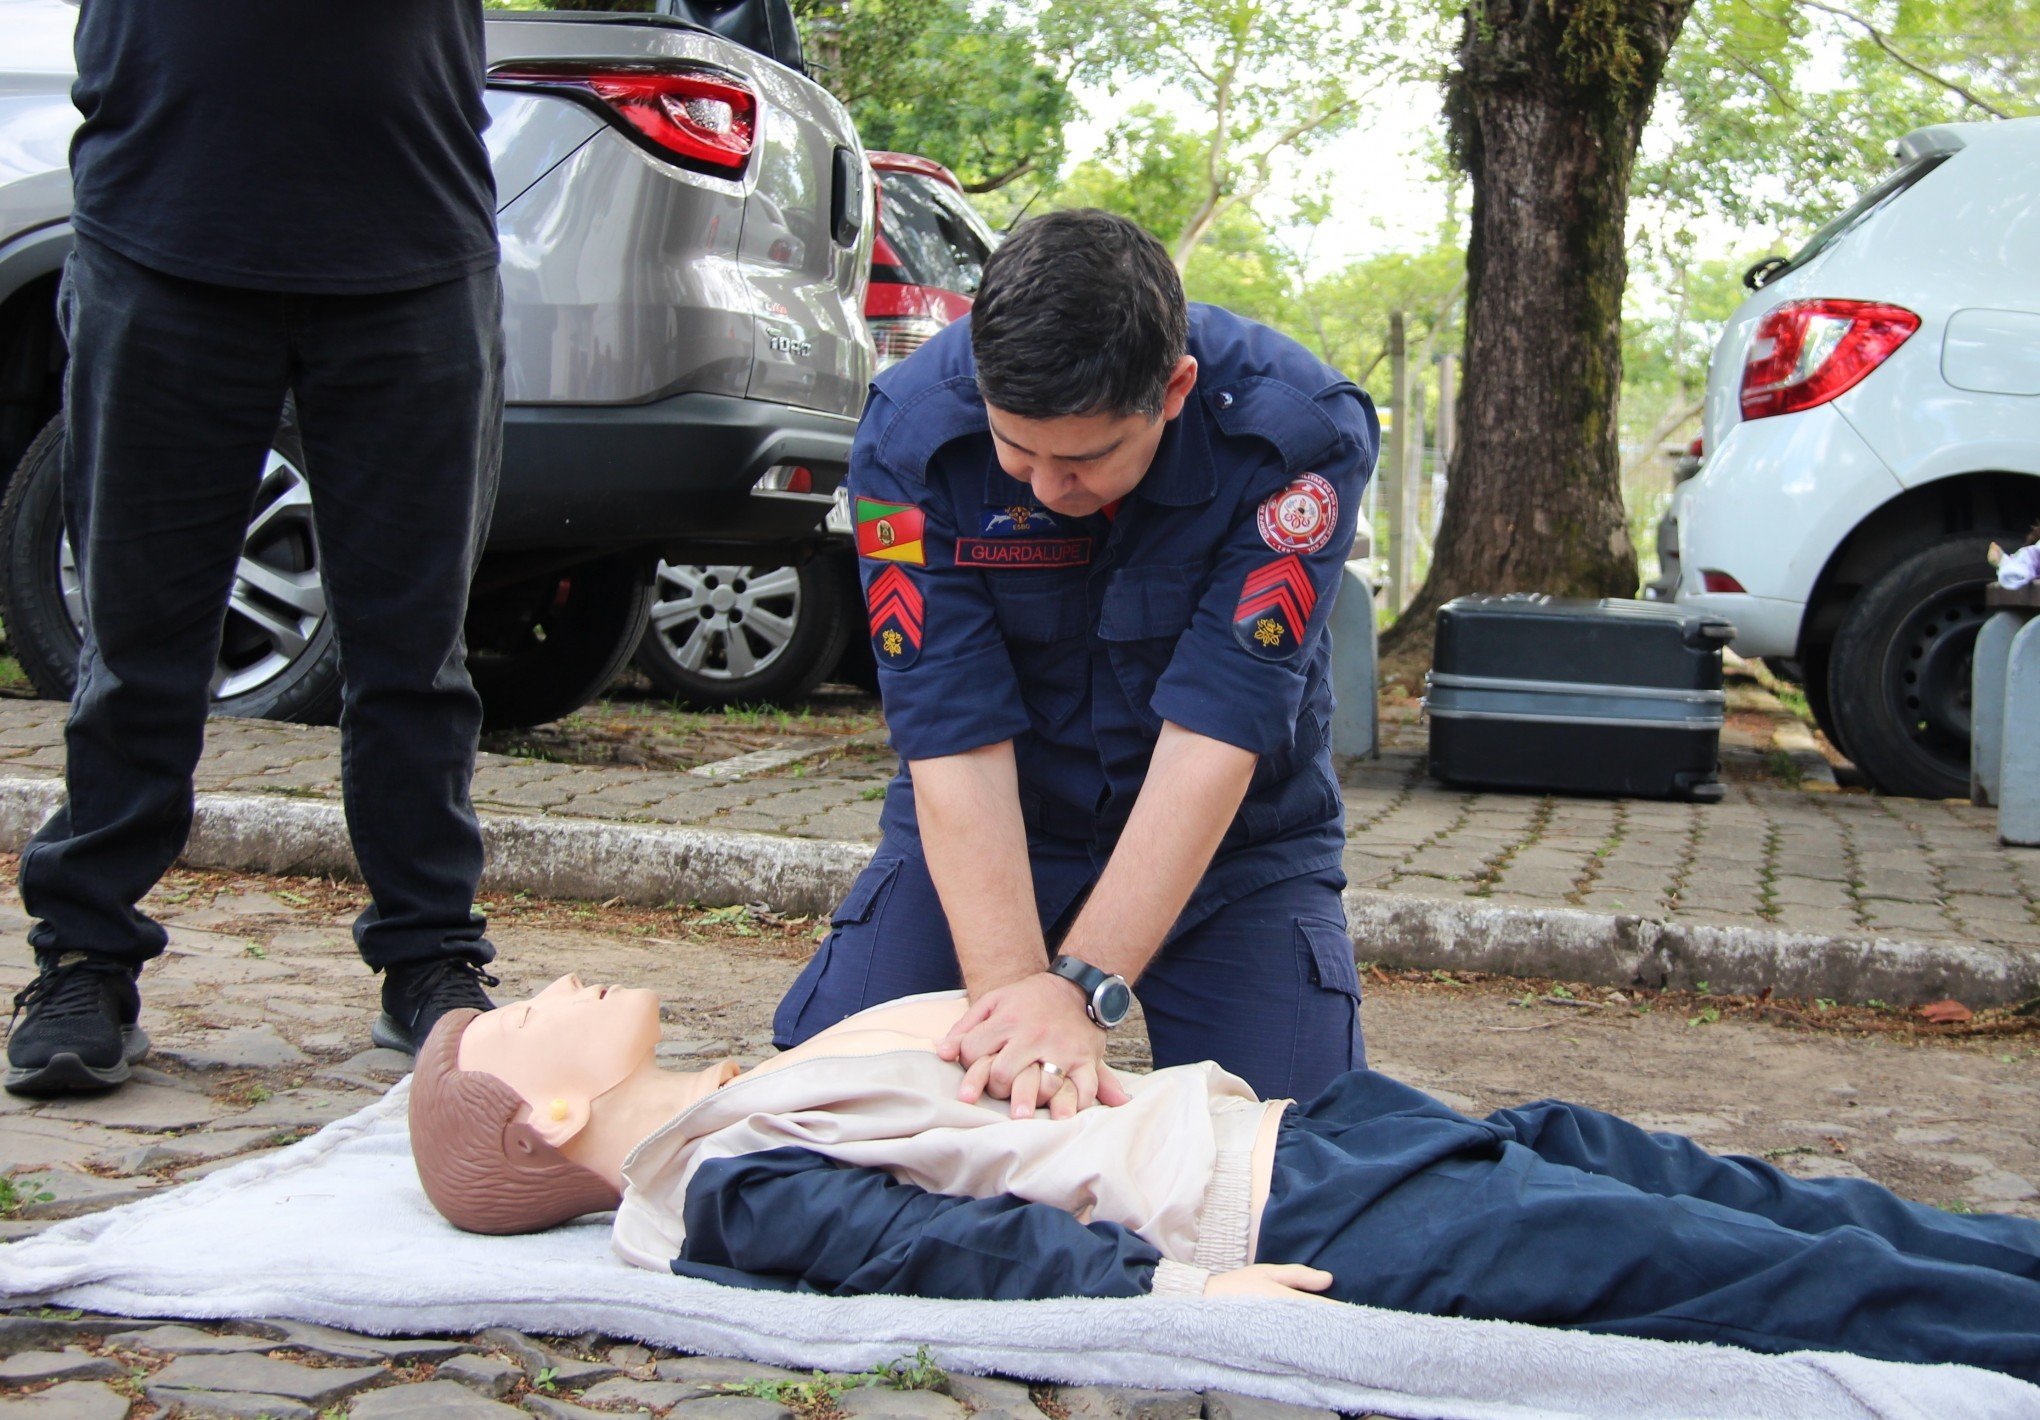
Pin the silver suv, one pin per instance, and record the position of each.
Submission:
(686, 226)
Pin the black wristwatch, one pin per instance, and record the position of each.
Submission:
(1107, 998)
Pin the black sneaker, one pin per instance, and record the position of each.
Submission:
(80, 1032)
(414, 997)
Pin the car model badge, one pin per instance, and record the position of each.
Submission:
(1300, 517)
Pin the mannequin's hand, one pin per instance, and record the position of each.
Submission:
(1270, 1279)
(1007, 1032)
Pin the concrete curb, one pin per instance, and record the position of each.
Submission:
(651, 863)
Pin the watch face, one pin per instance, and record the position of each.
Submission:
(1113, 1002)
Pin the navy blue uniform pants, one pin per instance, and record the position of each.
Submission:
(1264, 984)
(1564, 1216)
(172, 395)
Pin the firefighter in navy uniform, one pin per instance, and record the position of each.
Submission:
(1100, 533)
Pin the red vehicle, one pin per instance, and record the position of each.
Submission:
(749, 635)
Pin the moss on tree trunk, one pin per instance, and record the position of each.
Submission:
(1546, 105)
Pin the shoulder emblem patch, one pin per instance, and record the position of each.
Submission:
(1275, 605)
(1300, 517)
(897, 613)
(891, 532)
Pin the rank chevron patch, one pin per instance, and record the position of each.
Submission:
(1275, 605)
(897, 613)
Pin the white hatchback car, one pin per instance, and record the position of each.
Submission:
(1872, 425)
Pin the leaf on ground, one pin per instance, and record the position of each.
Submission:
(1947, 1013)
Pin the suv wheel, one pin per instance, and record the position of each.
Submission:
(1898, 680)
(542, 648)
(746, 635)
(278, 658)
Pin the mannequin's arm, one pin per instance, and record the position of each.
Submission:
(792, 1216)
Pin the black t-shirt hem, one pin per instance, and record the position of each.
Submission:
(361, 284)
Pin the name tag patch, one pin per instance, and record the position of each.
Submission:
(1023, 552)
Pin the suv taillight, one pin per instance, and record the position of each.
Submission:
(706, 118)
(897, 337)
(1807, 352)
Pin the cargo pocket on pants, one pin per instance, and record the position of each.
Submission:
(1328, 949)
(866, 895)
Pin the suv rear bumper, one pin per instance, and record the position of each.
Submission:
(677, 474)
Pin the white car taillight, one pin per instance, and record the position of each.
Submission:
(897, 337)
(1807, 352)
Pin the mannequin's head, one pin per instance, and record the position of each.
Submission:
(521, 1116)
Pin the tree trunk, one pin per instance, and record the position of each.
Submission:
(1546, 106)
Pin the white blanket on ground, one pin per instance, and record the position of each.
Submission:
(336, 1229)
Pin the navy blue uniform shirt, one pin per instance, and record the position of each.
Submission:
(286, 145)
(1202, 601)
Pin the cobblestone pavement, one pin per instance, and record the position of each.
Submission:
(1802, 858)
(260, 1014)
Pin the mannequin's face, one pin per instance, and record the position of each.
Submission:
(564, 1047)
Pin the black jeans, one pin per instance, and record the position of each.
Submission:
(171, 398)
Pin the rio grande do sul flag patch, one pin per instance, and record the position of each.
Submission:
(1274, 608)
(891, 532)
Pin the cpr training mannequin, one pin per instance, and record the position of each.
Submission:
(850, 1165)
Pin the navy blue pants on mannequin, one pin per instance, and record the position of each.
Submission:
(1560, 1215)
(1264, 984)
(172, 396)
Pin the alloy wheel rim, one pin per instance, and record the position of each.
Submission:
(725, 622)
(278, 603)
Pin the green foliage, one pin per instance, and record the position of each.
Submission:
(965, 85)
(16, 1195)
(820, 1390)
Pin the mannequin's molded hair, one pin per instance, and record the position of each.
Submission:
(483, 1166)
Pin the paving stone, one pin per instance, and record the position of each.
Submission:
(1221, 1405)
(72, 1192)
(703, 1370)
(334, 1344)
(987, 1395)
(316, 1386)
(1100, 1402)
(377, 1067)
(190, 1341)
(491, 1375)
(434, 1400)
(629, 1357)
(655, 1394)
(185, 1149)
(1904, 916)
(747, 1407)
(294, 1109)
(228, 1406)
(73, 1400)
(885, 1403)
(36, 1367)
(1809, 892)
(137, 1106)
(535, 1359)
(2002, 1187)
(236, 1048)
(39, 1333)
(550, 1408)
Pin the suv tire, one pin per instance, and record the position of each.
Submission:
(291, 669)
(1899, 677)
(544, 647)
(731, 635)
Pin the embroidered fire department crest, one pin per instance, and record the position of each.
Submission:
(1301, 517)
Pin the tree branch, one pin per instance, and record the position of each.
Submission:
(993, 184)
(1883, 42)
